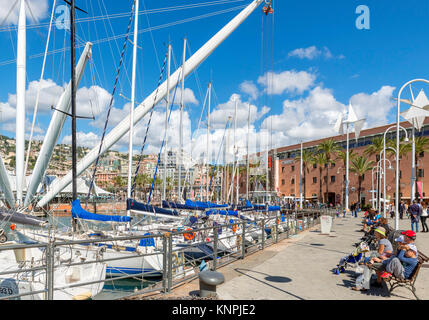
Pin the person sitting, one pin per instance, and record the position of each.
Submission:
(384, 251)
(383, 222)
(406, 250)
(373, 218)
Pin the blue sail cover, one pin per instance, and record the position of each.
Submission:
(223, 212)
(175, 205)
(262, 207)
(134, 205)
(79, 212)
(199, 205)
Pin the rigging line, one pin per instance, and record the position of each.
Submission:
(151, 35)
(218, 156)
(195, 73)
(8, 14)
(111, 102)
(162, 26)
(98, 50)
(148, 125)
(125, 14)
(163, 141)
(38, 92)
(116, 44)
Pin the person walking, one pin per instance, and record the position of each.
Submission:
(415, 211)
(401, 210)
(423, 217)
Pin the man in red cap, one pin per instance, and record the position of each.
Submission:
(403, 263)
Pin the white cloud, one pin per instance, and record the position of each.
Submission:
(88, 140)
(313, 52)
(375, 106)
(305, 53)
(36, 8)
(219, 116)
(294, 82)
(250, 88)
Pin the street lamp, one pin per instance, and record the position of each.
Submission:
(397, 148)
(379, 169)
(384, 184)
(384, 180)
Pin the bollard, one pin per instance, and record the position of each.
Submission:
(208, 282)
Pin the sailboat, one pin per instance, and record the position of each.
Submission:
(70, 280)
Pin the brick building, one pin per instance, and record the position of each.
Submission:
(285, 172)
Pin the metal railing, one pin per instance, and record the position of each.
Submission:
(180, 253)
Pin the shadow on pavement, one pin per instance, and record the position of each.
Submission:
(270, 279)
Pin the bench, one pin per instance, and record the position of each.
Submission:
(395, 282)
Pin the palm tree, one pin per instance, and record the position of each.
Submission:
(342, 155)
(320, 160)
(361, 165)
(374, 149)
(307, 157)
(404, 149)
(329, 148)
(421, 145)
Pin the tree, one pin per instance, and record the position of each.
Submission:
(361, 165)
(374, 149)
(307, 157)
(320, 160)
(404, 149)
(421, 145)
(329, 148)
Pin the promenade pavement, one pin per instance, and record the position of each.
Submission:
(301, 268)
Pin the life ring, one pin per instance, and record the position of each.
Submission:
(189, 236)
(234, 228)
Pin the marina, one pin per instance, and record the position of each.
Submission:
(133, 167)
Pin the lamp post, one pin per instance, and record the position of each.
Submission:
(384, 156)
(384, 182)
(397, 148)
(379, 170)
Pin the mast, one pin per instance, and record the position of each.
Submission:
(55, 127)
(20, 103)
(179, 192)
(235, 150)
(166, 124)
(208, 144)
(73, 107)
(247, 158)
(155, 97)
(300, 180)
(133, 87)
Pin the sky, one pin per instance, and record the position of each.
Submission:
(296, 69)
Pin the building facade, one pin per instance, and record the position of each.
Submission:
(285, 173)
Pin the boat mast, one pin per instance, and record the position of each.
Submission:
(155, 97)
(73, 106)
(133, 86)
(208, 144)
(166, 124)
(20, 103)
(247, 164)
(179, 192)
(235, 149)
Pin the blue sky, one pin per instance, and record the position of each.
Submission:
(316, 58)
